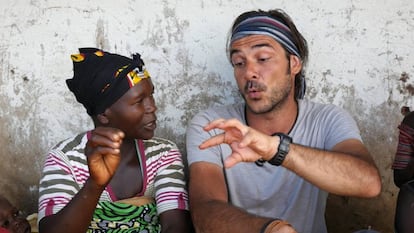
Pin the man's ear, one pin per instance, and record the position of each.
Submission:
(102, 118)
(295, 64)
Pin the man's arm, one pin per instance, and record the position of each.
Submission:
(346, 170)
(209, 205)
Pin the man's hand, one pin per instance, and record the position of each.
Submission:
(247, 144)
(279, 226)
(103, 151)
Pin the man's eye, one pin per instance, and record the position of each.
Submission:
(238, 63)
(262, 59)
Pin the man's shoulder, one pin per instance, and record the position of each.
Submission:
(222, 111)
(311, 106)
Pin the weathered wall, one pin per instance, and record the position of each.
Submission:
(361, 59)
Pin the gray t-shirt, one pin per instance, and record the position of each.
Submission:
(271, 191)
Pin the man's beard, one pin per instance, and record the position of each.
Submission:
(277, 100)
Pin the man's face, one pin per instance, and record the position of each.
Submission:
(134, 112)
(262, 71)
(11, 219)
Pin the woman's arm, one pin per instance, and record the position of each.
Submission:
(176, 221)
(103, 155)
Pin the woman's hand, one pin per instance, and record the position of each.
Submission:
(103, 151)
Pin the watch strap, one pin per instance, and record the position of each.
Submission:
(282, 149)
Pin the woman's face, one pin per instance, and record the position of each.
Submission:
(134, 112)
(11, 219)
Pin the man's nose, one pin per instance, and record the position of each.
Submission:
(251, 70)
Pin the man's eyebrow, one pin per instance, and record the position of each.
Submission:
(262, 45)
(233, 51)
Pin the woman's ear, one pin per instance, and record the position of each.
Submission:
(102, 118)
(295, 65)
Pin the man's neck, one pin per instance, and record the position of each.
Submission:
(279, 120)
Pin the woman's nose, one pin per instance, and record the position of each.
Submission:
(150, 105)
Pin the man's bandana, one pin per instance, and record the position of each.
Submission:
(101, 78)
(264, 25)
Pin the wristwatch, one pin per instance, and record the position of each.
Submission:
(282, 149)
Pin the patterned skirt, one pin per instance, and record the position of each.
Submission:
(114, 217)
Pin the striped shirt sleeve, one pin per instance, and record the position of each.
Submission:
(165, 170)
(63, 174)
(405, 150)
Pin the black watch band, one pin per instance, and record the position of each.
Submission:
(282, 149)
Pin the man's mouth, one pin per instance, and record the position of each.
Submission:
(253, 94)
(254, 86)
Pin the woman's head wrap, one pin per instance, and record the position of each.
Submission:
(101, 78)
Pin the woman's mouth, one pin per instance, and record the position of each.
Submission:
(150, 126)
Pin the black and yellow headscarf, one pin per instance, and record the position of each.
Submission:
(101, 78)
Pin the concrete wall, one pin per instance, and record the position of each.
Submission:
(361, 59)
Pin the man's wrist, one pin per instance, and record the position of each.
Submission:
(272, 225)
(282, 150)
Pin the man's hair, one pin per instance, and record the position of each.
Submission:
(297, 37)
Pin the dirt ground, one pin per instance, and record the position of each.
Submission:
(347, 215)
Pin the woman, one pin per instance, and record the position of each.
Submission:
(116, 177)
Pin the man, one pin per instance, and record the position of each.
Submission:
(403, 167)
(316, 149)
(117, 177)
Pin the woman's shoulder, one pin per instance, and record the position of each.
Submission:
(76, 142)
(160, 143)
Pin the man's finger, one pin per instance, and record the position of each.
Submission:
(230, 162)
(213, 124)
(225, 125)
(213, 141)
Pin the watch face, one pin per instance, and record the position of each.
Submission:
(282, 150)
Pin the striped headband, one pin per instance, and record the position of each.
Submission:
(264, 25)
